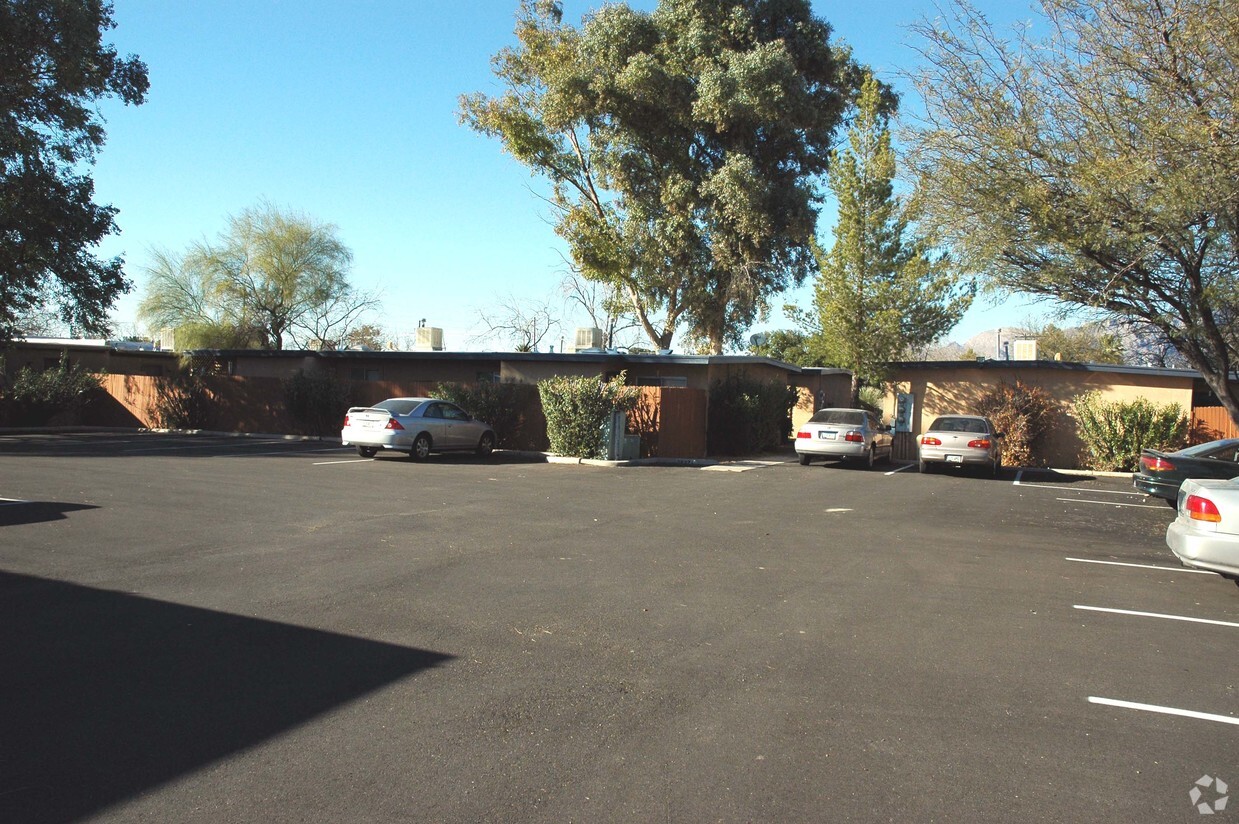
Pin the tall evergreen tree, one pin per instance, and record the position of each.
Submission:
(880, 292)
(683, 146)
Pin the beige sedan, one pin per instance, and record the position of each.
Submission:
(961, 440)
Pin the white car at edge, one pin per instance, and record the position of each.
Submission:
(1205, 532)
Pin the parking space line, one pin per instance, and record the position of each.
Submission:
(1132, 705)
(1109, 503)
(12, 501)
(1142, 566)
(352, 461)
(1019, 474)
(900, 469)
(1158, 615)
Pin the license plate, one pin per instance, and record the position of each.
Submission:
(369, 424)
(955, 458)
(826, 436)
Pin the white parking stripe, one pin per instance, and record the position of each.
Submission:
(1132, 705)
(353, 461)
(1142, 566)
(1073, 489)
(1159, 615)
(900, 469)
(12, 501)
(1109, 503)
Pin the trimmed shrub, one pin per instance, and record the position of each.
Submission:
(1024, 415)
(59, 393)
(747, 416)
(577, 409)
(1114, 433)
(316, 401)
(507, 407)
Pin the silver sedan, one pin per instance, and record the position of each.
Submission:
(1205, 532)
(961, 440)
(418, 426)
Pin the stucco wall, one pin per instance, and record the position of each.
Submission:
(940, 391)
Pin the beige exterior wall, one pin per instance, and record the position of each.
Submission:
(940, 391)
(820, 390)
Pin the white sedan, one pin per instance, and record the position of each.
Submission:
(1205, 532)
(418, 426)
(961, 440)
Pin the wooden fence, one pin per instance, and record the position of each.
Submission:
(670, 421)
(1211, 423)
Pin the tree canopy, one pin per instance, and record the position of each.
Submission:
(271, 278)
(54, 68)
(880, 292)
(683, 147)
(1097, 166)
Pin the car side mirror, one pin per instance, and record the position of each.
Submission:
(999, 435)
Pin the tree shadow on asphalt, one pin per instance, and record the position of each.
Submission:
(14, 513)
(105, 695)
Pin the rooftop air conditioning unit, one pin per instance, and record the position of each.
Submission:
(588, 337)
(429, 339)
(1025, 350)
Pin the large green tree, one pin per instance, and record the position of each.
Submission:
(880, 292)
(272, 277)
(1098, 165)
(54, 68)
(683, 147)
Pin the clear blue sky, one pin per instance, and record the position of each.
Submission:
(346, 111)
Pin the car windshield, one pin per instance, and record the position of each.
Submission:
(845, 417)
(959, 425)
(398, 406)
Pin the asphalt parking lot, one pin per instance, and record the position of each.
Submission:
(212, 629)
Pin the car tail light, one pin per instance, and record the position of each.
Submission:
(1154, 464)
(392, 423)
(854, 437)
(346, 420)
(930, 440)
(804, 434)
(979, 443)
(1201, 509)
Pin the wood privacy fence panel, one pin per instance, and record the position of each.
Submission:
(1211, 423)
(671, 422)
(129, 400)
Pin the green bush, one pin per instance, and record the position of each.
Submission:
(316, 401)
(1024, 415)
(747, 416)
(62, 392)
(1114, 433)
(507, 407)
(181, 399)
(577, 409)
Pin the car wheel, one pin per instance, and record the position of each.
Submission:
(923, 467)
(421, 448)
(804, 459)
(487, 444)
(869, 460)
(997, 470)
(367, 451)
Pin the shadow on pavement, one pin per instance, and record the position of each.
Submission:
(13, 513)
(105, 695)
